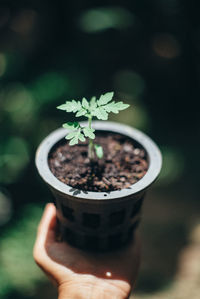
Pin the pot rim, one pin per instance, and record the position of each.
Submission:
(153, 152)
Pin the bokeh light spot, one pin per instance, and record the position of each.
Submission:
(18, 270)
(24, 22)
(14, 156)
(129, 82)
(2, 64)
(166, 46)
(5, 208)
(173, 165)
(49, 86)
(195, 234)
(18, 102)
(103, 18)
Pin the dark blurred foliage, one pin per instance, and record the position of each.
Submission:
(51, 51)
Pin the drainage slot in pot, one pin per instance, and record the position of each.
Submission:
(68, 213)
(137, 207)
(91, 220)
(117, 218)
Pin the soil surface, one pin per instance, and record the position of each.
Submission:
(123, 164)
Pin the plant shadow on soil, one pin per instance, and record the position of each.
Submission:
(77, 191)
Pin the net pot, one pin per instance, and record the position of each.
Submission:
(99, 220)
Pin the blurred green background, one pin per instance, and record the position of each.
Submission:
(51, 51)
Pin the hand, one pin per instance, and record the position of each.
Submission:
(82, 274)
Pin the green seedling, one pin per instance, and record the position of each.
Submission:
(99, 108)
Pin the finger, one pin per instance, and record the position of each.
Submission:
(46, 233)
(46, 237)
(47, 226)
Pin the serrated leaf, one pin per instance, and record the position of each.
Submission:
(85, 103)
(62, 107)
(121, 106)
(71, 135)
(93, 103)
(74, 141)
(75, 137)
(71, 106)
(89, 132)
(111, 107)
(81, 112)
(81, 137)
(100, 113)
(71, 125)
(105, 98)
(115, 107)
(98, 150)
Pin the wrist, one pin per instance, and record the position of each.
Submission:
(90, 290)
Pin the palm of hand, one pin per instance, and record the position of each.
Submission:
(67, 265)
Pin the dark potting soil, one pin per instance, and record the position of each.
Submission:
(123, 164)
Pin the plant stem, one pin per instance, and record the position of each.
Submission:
(91, 144)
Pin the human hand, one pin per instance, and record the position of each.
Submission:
(82, 274)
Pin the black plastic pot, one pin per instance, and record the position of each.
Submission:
(99, 220)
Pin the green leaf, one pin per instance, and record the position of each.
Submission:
(62, 107)
(81, 112)
(74, 141)
(105, 98)
(81, 137)
(75, 136)
(89, 132)
(115, 107)
(98, 150)
(100, 113)
(71, 135)
(71, 125)
(85, 103)
(71, 106)
(93, 103)
(121, 106)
